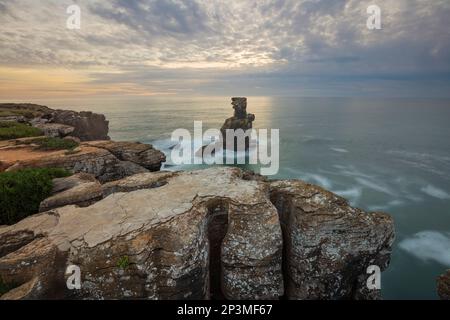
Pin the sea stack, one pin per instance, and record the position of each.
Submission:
(240, 120)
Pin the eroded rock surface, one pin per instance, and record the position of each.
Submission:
(84, 125)
(240, 120)
(214, 233)
(55, 130)
(80, 189)
(142, 154)
(87, 125)
(87, 158)
(162, 234)
(443, 286)
(328, 244)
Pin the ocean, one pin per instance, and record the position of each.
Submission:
(389, 155)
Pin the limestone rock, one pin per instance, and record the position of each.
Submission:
(88, 125)
(214, 233)
(328, 244)
(80, 189)
(20, 119)
(138, 181)
(142, 154)
(202, 234)
(96, 160)
(26, 111)
(55, 130)
(240, 120)
(443, 287)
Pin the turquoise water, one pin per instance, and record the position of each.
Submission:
(380, 154)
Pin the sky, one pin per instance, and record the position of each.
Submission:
(235, 47)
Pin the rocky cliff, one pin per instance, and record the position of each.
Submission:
(214, 233)
(106, 160)
(84, 125)
(97, 155)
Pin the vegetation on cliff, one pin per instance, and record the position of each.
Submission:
(51, 144)
(15, 130)
(22, 191)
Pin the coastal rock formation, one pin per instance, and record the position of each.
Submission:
(55, 130)
(142, 154)
(87, 126)
(96, 160)
(138, 181)
(328, 244)
(81, 189)
(24, 111)
(240, 120)
(214, 233)
(443, 286)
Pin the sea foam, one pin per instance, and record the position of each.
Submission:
(429, 245)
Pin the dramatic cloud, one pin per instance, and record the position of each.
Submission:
(254, 47)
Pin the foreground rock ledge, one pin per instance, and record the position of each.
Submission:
(214, 233)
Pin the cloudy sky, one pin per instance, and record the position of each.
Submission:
(224, 47)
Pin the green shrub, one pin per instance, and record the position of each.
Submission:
(124, 262)
(47, 143)
(15, 130)
(22, 191)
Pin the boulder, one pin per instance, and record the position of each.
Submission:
(55, 130)
(443, 286)
(214, 233)
(139, 153)
(81, 189)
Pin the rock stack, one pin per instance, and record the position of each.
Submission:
(240, 120)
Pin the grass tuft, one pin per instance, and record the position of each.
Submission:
(15, 130)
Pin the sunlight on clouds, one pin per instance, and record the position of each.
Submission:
(27, 83)
(196, 46)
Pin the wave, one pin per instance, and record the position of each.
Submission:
(341, 150)
(435, 192)
(372, 185)
(386, 207)
(429, 245)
